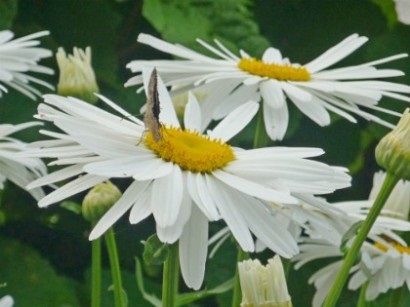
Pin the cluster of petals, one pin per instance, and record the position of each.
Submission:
(19, 170)
(385, 258)
(19, 57)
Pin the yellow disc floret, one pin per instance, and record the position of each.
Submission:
(285, 72)
(400, 248)
(190, 150)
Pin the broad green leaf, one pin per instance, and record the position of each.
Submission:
(30, 279)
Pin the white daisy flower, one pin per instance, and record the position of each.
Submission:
(384, 265)
(6, 301)
(184, 179)
(380, 258)
(19, 170)
(314, 89)
(403, 11)
(17, 58)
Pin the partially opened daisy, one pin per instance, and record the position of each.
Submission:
(384, 257)
(313, 88)
(384, 265)
(183, 178)
(19, 170)
(18, 57)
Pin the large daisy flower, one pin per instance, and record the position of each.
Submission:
(384, 257)
(19, 170)
(314, 89)
(17, 58)
(185, 178)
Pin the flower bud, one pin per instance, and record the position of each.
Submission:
(99, 199)
(263, 286)
(77, 76)
(393, 151)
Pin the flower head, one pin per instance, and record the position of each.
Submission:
(99, 199)
(403, 11)
(263, 285)
(393, 150)
(77, 76)
(378, 260)
(6, 301)
(184, 179)
(313, 88)
(17, 169)
(19, 56)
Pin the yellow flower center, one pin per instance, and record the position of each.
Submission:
(274, 71)
(190, 150)
(400, 248)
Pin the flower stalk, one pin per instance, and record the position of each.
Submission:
(96, 273)
(170, 278)
(352, 254)
(119, 297)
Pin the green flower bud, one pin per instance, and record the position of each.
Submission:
(263, 286)
(99, 199)
(77, 76)
(393, 151)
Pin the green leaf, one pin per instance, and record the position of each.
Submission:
(183, 21)
(155, 252)
(30, 279)
(8, 11)
(155, 301)
(71, 206)
(188, 298)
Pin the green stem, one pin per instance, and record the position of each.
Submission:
(237, 295)
(170, 278)
(362, 298)
(119, 296)
(260, 139)
(352, 254)
(395, 297)
(96, 273)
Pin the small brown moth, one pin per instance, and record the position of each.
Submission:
(151, 117)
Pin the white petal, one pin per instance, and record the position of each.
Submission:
(129, 197)
(336, 53)
(265, 227)
(141, 208)
(232, 217)
(199, 193)
(166, 198)
(192, 114)
(73, 187)
(253, 189)
(272, 56)
(170, 234)
(232, 124)
(272, 93)
(193, 247)
(276, 121)
(313, 109)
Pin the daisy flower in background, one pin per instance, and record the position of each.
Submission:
(19, 170)
(403, 11)
(185, 179)
(17, 58)
(384, 258)
(312, 87)
(6, 301)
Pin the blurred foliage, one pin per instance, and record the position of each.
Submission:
(301, 29)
